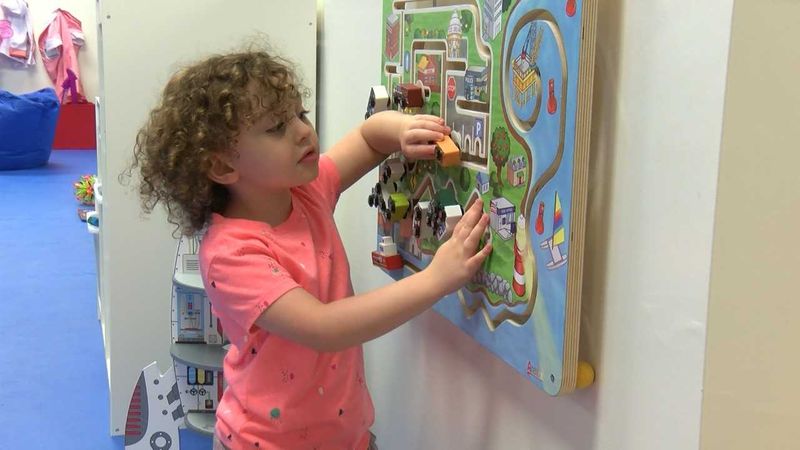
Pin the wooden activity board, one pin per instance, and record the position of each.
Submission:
(513, 79)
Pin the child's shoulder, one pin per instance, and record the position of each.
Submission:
(229, 236)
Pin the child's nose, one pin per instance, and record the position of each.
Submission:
(303, 130)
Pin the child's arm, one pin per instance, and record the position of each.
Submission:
(381, 135)
(299, 316)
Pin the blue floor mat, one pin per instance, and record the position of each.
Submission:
(54, 390)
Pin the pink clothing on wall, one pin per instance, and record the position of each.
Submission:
(280, 394)
(59, 44)
(16, 33)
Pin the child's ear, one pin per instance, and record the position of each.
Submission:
(221, 170)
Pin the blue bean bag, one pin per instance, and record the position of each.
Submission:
(27, 128)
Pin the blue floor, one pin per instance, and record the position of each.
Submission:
(53, 386)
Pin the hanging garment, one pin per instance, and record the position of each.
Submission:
(16, 33)
(59, 44)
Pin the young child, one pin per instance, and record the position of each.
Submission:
(230, 152)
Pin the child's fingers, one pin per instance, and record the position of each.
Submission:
(475, 235)
(420, 151)
(435, 125)
(481, 256)
(471, 218)
(419, 135)
(430, 118)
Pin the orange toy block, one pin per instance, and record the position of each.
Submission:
(447, 152)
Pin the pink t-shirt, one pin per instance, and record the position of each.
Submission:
(280, 394)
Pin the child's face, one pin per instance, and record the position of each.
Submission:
(275, 154)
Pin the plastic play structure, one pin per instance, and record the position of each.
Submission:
(187, 394)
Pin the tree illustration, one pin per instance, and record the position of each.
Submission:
(464, 179)
(500, 148)
(466, 21)
(493, 185)
(417, 33)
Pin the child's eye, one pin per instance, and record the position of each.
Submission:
(303, 115)
(277, 128)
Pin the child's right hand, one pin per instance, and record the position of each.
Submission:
(458, 259)
(418, 134)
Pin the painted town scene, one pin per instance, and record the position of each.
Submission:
(503, 75)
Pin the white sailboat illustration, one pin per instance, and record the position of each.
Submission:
(552, 243)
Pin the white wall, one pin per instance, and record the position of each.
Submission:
(659, 88)
(19, 79)
(140, 51)
(751, 390)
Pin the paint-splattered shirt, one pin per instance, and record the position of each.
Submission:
(280, 394)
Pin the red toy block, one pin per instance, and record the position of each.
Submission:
(393, 262)
(408, 95)
(75, 129)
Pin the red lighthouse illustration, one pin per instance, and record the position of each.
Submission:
(519, 266)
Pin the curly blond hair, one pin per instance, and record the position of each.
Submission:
(201, 112)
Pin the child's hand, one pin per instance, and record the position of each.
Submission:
(418, 134)
(458, 259)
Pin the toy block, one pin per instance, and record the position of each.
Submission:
(391, 170)
(426, 91)
(393, 262)
(379, 100)
(397, 205)
(408, 95)
(452, 214)
(387, 247)
(421, 221)
(447, 152)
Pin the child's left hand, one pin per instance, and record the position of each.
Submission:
(418, 134)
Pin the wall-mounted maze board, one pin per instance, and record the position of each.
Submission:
(513, 79)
